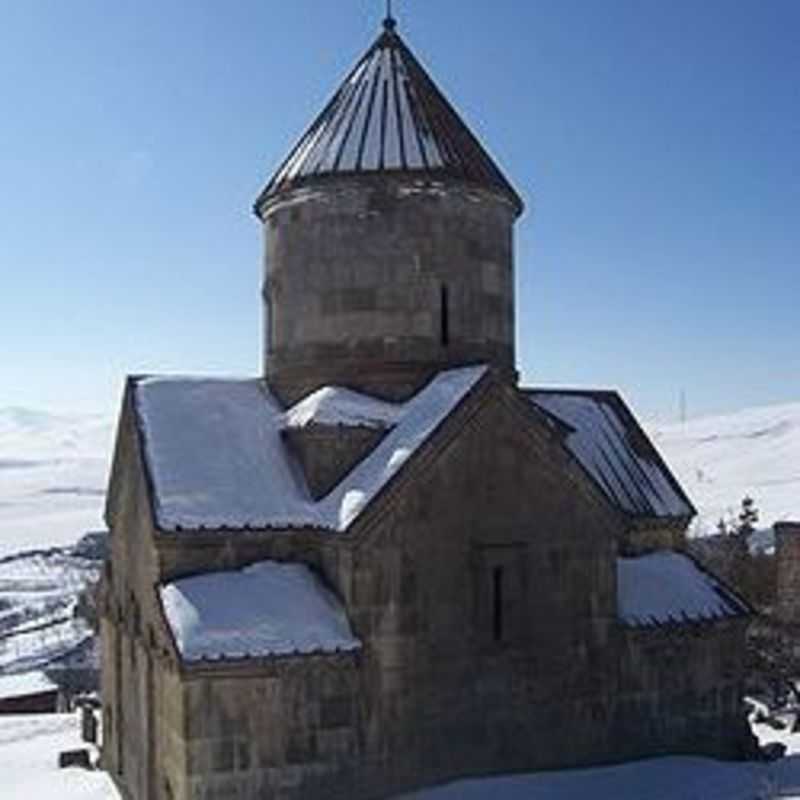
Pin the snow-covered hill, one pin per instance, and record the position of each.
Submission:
(53, 473)
(39, 595)
(721, 459)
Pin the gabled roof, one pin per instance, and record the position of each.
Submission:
(266, 609)
(389, 116)
(217, 460)
(603, 435)
(669, 588)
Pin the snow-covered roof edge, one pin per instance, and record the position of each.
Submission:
(266, 610)
(727, 604)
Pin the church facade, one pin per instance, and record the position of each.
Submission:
(385, 564)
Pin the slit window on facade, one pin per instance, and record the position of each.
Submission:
(497, 603)
(444, 316)
(119, 718)
(269, 321)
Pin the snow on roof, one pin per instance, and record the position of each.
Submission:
(667, 587)
(608, 443)
(217, 459)
(267, 609)
(335, 405)
(25, 684)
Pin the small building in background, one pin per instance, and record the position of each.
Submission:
(787, 556)
(28, 693)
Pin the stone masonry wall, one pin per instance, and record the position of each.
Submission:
(328, 452)
(288, 728)
(647, 537)
(358, 274)
(680, 691)
(787, 555)
(491, 642)
(488, 622)
(142, 734)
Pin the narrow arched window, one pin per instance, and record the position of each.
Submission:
(444, 315)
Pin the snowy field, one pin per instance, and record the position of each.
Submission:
(53, 473)
(29, 747)
(719, 460)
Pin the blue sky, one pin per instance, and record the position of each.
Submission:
(655, 142)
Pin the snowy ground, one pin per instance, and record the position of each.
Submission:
(719, 460)
(29, 747)
(674, 778)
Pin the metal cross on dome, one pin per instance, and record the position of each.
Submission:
(390, 23)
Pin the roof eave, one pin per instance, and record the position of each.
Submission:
(273, 193)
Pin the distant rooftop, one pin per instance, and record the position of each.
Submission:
(25, 684)
(389, 116)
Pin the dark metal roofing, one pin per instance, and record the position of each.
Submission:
(603, 435)
(667, 588)
(388, 115)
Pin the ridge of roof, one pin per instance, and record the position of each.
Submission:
(571, 390)
(388, 116)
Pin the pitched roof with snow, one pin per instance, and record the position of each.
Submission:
(217, 460)
(669, 588)
(605, 438)
(388, 115)
(267, 609)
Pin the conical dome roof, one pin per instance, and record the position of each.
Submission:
(388, 116)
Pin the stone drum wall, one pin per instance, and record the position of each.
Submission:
(377, 284)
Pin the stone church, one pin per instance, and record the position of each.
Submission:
(384, 564)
